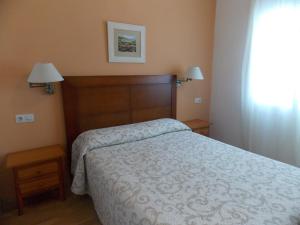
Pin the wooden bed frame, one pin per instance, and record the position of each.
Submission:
(92, 102)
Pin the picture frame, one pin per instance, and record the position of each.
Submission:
(126, 43)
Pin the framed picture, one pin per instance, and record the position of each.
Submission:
(126, 43)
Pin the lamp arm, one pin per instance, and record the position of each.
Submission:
(180, 82)
(49, 87)
(33, 85)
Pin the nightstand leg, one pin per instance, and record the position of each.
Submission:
(61, 192)
(20, 204)
(18, 195)
(62, 183)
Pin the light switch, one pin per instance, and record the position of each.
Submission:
(24, 118)
(197, 100)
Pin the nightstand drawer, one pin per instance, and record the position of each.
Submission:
(204, 132)
(39, 185)
(37, 171)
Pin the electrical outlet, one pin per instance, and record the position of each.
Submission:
(197, 100)
(24, 118)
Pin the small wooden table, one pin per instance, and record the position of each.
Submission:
(199, 126)
(36, 171)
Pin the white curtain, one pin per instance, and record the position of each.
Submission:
(271, 81)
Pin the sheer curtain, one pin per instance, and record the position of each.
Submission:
(271, 81)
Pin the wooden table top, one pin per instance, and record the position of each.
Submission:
(197, 123)
(26, 157)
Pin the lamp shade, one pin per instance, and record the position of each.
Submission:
(44, 73)
(195, 73)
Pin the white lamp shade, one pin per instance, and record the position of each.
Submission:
(195, 73)
(44, 73)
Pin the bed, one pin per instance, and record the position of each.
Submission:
(157, 171)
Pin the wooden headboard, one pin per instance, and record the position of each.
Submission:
(102, 101)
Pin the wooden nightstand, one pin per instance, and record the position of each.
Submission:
(198, 126)
(36, 171)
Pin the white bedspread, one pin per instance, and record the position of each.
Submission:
(172, 176)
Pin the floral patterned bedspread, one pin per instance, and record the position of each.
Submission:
(172, 176)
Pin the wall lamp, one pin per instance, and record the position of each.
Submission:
(193, 73)
(44, 75)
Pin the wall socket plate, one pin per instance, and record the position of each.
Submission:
(24, 118)
(197, 100)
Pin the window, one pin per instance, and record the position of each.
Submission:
(275, 57)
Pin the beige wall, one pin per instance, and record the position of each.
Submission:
(72, 35)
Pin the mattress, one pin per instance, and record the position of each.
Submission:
(161, 173)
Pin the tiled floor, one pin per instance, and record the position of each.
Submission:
(75, 210)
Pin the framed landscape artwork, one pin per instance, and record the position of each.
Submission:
(126, 43)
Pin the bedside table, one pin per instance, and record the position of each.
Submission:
(36, 171)
(198, 126)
